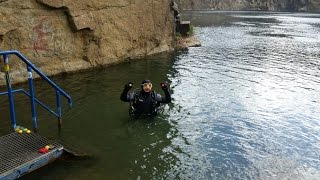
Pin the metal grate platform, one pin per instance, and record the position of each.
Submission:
(19, 154)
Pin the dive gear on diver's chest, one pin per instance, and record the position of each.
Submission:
(141, 98)
(144, 104)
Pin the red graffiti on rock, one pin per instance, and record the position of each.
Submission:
(39, 35)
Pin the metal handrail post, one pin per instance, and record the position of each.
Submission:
(58, 100)
(32, 103)
(10, 95)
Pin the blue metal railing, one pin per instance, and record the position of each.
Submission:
(33, 100)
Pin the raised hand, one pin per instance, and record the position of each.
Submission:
(163, 86)
(128, 86)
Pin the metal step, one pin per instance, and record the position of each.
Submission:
(19, 154)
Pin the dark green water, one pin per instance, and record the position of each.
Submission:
(246, 107)
(98, 123)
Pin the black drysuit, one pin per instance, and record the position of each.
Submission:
(145, 103)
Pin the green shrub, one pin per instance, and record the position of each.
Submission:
(190, 32)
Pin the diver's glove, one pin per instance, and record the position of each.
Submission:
(128, 86)
(164, 86)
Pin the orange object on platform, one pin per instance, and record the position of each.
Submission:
(43, 150)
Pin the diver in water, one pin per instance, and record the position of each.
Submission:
(144, 101)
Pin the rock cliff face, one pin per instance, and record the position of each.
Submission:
(69, 35)
(314, 6)
(266, 5)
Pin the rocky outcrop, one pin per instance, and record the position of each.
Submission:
(184, 42)
(313, 6)
(69, 35)
(265, 5)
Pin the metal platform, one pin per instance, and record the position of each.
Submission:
(19, 154)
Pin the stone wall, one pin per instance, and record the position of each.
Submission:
(70, 35)
(265, 5)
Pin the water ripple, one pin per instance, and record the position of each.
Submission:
(248, 101)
